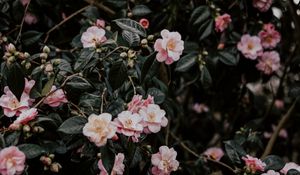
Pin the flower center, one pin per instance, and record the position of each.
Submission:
(250, 46)
(128, 123)
(14, 103)
(151, 117)
(171, 45)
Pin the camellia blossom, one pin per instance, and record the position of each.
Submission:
(100, 23)
(118, 168)
(129, 124)
(144, 22)
(262, 5)
(12, 161)
(24, 118)
(55, 98)
(269, 36)
(169, 48)
(222, 22)
(269, 62)
(153, 118)
(164, 162)
(253, 164)
(137, 103)
(93, 37)
(214, 153)
(24, 2)
(250, 46)
(282, 133)
(99, 128)
(271, 172)
(200, 108)
(289, 166)
(30, 18)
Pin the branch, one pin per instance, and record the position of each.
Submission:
(283, 120)
(102, 7)
(22, 23)
(63, 21)
(102, 100)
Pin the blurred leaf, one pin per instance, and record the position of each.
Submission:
(273, 162)
(159, 96)
(131, 25)
(294, 90)
(48, 86)
(116, 107)
(117, 74)
(79, 83)
(140, 10)
(133, 39)
(147, 64)
(293, 172)
(186, 62)
(107, 157)
(2, 141)
(12, 138)
(205, 77)
(85, 56)
(73, 125)
(234, 151)
(31, 37)
(228, 58)
(207, 30)
(31, 150)
(200, 14)
(15, 80)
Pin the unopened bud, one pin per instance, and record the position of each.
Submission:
(205, 53)
(43, 56)
(46, 160)
(56, 61)
(28, 65)
(26, 128)
(130, 63)
(55, 167)
(144, 42)
(23, 63)
(99, 155)
(49, 67)
(11, 59)
(123, 54)
(51, 156)
(26, 55)
(4, 39)
(11, 48)
(108, 28)
(129, 14)
(46, 49)
(150, 37)
(131, 53)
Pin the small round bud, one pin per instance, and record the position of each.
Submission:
(7, 55)
(99, 155)
(144, 42)
(43, 56)
(4, 39)
(123, 54)
(51, 156)
(205, 52)
(129, 14)
(46, 161)
(80, 74)
(108, 28)
(150, 37)
(11, 48)
(17, 54)
(11, 59)
(46, 168)
(46, 49)
(49, 67)
(131, 53)
(218, 9)
(26, 55)
(212, 6)
(23, 63)
(55, 167)
(26, 128)
(56, 61)
(130, 63)
(28, 65)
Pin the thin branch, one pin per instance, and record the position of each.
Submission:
(22, 23)
(80, 111)
(64, 21)
(102, 100)
(283, 120)
(134, 89)
(102, 7)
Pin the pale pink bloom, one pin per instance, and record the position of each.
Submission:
(262, 5)
(164, 162)
(279, 104)
(222, 22)
(11, 105)
(153, 118)
(28, 86)
(56, 97)
(24, 2)
(200, 108)
(282, 133)
(144, 22)
(99, 128)
(137, 103)
(253, 164)
(100, 23)
(169, 48)
(93, 37)
(269, 36)
(129, 124)
(214, 153)
(271, 172)
(250, 46)
(12, 161)
(30, 18)
(289, 166)
(118, 168)
(269, 62)
(24, 118)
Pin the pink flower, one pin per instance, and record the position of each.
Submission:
(200, 108)
(279, 104)
(24, 118)
(269, 62)
(56, 97)
(93, 37)
(100, 23)
(269, 36)
(262, 5)
(253, 164)
(12, 161)
(222, 22)
(250, 46)
(99, 128)
(129, 124)
(289, 166)
(164, 162)
(214, 153)
(137, 103)
(118, 168)
(144, 22)
(24, 2)
(30, 18)
(271, 172)
(153, 118)
(169, 48)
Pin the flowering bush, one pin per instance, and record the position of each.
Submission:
(149, 87)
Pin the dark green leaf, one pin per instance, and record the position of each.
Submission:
(116, 107)
(131, 25)
(140, 10)
(293, 172)
(186, 62)
(197, 13)
(79, 83)
(205, 77)
(234, 151)
(117, 74)
(13, 138)
(31, 150)
(15, 80)
(133, 39)
(85, 56)
(147, 64)
(205, 14)
(107, 157)
(73, 125)
(2, 141)
(48, 86)
(273, 163)
(208, 30)
(31, 37)
(228, 58)
(159, 96)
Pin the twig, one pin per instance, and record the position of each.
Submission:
(102, 7)
(63, 21)
(22, 23)
(81, 112)
(134, 89)
(102, 100)
(184, 146)
(283, 120)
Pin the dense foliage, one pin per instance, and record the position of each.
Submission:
(149, 87)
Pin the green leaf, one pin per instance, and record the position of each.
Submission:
(186, 62)
(85, 56)
(117, 74)
(116, 107)
(133, 39)
(205, 77)
(197, 13)
(131, 25)
(107, 157)
(159, 96)
(31, 37)
(208, 29)
(228, 58)
(203, 15)
(293, 172)
(73, 125)
(47, 88)
(147, 64)
(273, 162)
(79, 83)
(13, 138)
(234, 151)
(2, 141)
(31, 150)
(140, 10)
(15, 80)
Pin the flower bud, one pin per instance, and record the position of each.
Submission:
(123, 54)
(11, 48)
(131, 53)
(43, 56)
(99, 155)
(4, 39)
(46, 49)
(130, 63)
(11, 59)
(49, 67)
(46, 160)
(108, 28)
(28, 65)
(150, 37)
(144, 42)
(26, 55)
(23, 63)
(129, 14)
(56, 62)
(205, 52)
(55, 167)
(26, 128)
(51, 156)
